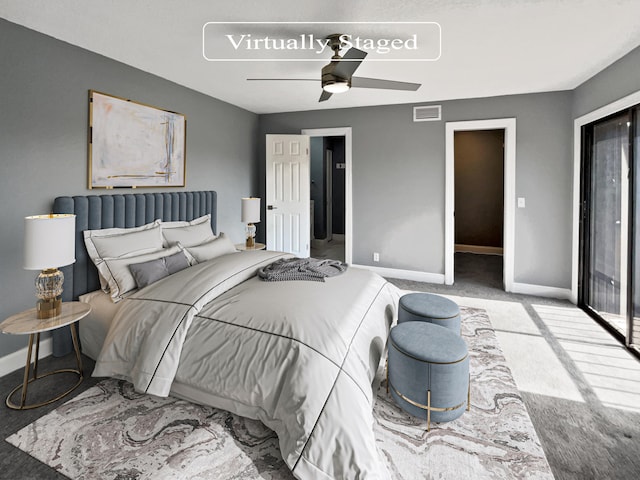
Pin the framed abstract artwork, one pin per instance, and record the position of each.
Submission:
(134, 145)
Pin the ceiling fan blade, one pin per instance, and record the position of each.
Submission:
(325, 96)
(349, 62)
(363, 82)
(284, 79)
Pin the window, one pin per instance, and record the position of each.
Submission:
(610, 225)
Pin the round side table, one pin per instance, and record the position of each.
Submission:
(257, 246)
(26, 323)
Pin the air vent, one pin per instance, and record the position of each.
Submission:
(428, 113)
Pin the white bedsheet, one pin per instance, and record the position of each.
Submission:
(94, 327)
(299, 356)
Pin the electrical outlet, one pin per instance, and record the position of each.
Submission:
(521, 202)
(376, 257)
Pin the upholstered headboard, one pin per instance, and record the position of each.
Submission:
(123, 211)
(128, 210)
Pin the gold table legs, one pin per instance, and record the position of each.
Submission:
(23, 399)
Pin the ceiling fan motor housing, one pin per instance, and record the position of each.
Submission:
(329, 78)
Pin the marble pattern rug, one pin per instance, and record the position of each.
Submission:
(112, 432)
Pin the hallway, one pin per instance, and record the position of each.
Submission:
(333, 249)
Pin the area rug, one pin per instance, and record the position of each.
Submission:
(112, 432)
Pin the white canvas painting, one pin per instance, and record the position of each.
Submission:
(135, 145)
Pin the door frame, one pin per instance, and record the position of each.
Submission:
(348, 197)
(602, 112)
(625, 259)
(509, 127)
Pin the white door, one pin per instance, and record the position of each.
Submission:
(288, 194)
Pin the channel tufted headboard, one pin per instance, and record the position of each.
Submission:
(123, 211)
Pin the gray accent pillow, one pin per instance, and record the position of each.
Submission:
(146, 273)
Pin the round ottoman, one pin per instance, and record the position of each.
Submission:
(427, 307)
(428, 371)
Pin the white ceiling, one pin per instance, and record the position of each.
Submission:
(489, 47)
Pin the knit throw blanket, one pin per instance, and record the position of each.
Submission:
(311, 269)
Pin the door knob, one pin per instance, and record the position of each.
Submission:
(271, 207)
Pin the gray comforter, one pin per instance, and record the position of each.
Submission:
(298, 356)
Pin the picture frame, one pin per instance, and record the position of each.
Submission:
(133, 145)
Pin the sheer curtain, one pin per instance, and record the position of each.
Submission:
(608, 223)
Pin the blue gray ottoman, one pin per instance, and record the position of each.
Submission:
(427, 307)
(428, 371)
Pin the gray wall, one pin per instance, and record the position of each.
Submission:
(398, 180)
(620, 79)
(479, 187)
(44, 86)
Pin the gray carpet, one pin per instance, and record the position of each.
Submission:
(15, 464)
(582, 440)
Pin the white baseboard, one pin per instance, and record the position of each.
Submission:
(478, 249)
(542, 291)
(17, 360)
(524, 288)
(405, 274)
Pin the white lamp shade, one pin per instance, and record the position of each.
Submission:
(49, 241)
(250, 210)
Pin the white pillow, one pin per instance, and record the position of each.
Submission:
(188, 234)
(184, 223)
(121, 242)
(119, 276)
(212, 249)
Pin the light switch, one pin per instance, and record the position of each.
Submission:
(521, 202)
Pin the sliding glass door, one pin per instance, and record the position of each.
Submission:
(634, 320)
(610, 271)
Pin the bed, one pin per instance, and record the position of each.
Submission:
(299, 356)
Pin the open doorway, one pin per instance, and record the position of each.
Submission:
(508, 126)
(341, 156)
(479, 206)
(328, 179)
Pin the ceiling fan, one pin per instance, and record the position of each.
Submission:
(337, 76)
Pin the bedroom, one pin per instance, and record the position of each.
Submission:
(44, 155)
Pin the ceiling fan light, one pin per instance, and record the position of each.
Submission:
(339, 86)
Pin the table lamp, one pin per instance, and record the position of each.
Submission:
(49, 243)
(250, 215)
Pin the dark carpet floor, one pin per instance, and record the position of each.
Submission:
(15, 464)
